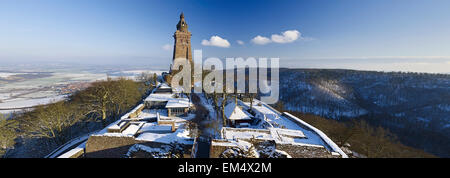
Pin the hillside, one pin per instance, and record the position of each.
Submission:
(414, 106)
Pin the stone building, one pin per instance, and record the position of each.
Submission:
(175, 104)
(182, 37)
(182, 49)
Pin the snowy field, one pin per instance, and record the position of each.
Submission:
(20, 103)
(131, 74)
(27, 88)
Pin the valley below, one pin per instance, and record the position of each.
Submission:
(22, 88)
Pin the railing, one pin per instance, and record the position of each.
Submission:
(60, 150)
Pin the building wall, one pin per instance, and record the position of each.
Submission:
(216, 150)
(298, 151)
(182, 45)
(155, 104)
(137, 112)
(171, 113)
(117, 147)
(108, 147)
(295, 151)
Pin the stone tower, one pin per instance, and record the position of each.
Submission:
(182, 46)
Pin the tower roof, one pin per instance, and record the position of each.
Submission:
(182, 25)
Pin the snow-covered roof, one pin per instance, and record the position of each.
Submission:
(234, 112)
(279, 135)
(289, 133)
(146, 114)
(172, 101)
(181, 135)
(178, 103)
(164, 86)
(133, 128)
(152, 127)
(246, 133)
(140, 126)
(230, 143)
(159, 97)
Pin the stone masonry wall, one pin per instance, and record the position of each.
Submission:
(295, 151)
(108, 147)
(300, 151)
(117, 147)
(216, 150)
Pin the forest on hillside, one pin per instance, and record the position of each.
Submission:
(362, 138)
(415, 107)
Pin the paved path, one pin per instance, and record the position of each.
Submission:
(204, 140)
(203, 148)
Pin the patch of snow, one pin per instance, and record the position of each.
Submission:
(181, 135)
(321, 134)
(234, 112)
(179, 103)
(31, 102)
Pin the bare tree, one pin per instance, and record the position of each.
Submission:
(7, 135)
(96, 99)
(52, 121)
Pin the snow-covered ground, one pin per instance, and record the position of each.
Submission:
(43, 86)
(131, 74)
(181, 135)
(276, 120)
(20, 103)
(8, 74)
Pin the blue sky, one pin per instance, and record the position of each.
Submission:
(389, 35)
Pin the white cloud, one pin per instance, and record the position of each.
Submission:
(216, 41)
(167, 47)
(286, 37)
(260, 40)
(240, 42)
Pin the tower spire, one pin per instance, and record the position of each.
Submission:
(182, 25)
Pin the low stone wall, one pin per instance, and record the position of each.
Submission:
(137, 112)
(328, 142)
(215, 150)
(294, 150)
(78, 154)
(301, 151)
(108, 147)
(75, 153)
(117, 147)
